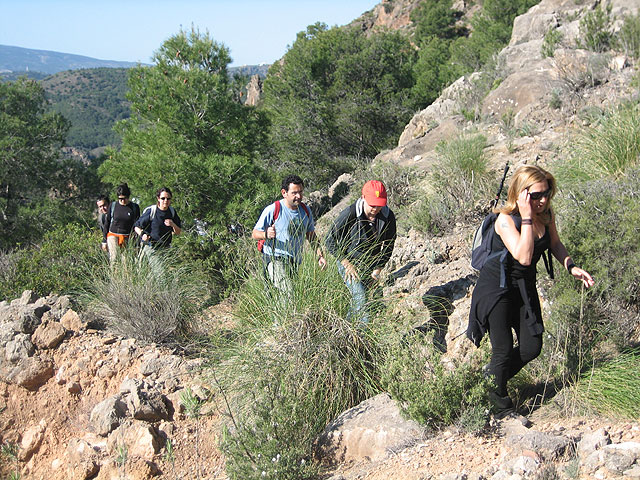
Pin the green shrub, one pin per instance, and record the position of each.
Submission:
(432, 70)
(290, 364)
(214, 257)
(507, 123)
(597, 224)
(629, 36)
(555, 101)
(60, 264)
(606, 149)
(575, 76)
(526, 129)
(596, 30)
(592, 115)
(9, 451)
(149, 297)
(613, 388)
(459, 184)
(598, 221)
(276, 441)
(32, 220)
(421, 217)
(463, 158)
(551, 40)
(491, 30)
(428, 391)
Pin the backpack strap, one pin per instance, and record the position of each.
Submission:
(276, 212)
(154, 208)
(306, 209)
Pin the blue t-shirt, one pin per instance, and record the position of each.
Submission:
(291, 228)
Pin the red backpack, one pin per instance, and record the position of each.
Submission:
(276, 204)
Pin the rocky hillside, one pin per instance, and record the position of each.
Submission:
(545, 99)
(391, 14)
(80, 403)
(73, 396)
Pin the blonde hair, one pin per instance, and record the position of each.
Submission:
(525, 177)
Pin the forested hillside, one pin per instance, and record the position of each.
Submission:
(92, 100)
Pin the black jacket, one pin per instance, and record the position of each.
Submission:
(368, 245)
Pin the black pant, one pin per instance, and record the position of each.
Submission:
(507, 360)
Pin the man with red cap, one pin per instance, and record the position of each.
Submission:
(362, 239)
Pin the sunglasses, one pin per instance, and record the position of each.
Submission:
(539, 195)
(165, 198)
(122, 198)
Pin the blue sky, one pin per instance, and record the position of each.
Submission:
(255, 31)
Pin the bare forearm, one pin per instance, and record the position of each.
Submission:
(258, 234)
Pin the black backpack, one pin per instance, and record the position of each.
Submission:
(483, 238)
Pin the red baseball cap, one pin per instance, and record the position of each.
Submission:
(374, 193)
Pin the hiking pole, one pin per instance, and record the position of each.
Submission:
(504, 175)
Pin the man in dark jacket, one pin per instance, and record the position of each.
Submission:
(103, 204)
(362, 239)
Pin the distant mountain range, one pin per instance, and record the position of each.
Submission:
(37, 64)
(18, 59)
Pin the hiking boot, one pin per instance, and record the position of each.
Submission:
(502, 406)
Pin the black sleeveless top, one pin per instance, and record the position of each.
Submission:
(488, 290)
(515, 269)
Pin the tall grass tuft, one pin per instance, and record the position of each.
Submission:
(629, 36)
(151, 298)
(613, 388)
(460, 184)
(596, 30)
(290, 365)
(607, 149)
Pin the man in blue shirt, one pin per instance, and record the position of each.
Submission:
(284, 236)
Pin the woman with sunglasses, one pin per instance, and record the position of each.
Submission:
(121, 215)
(526, 228)
(158, 223)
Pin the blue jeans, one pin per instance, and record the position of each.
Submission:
(359, 308)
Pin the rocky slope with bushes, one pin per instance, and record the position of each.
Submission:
(80, 402)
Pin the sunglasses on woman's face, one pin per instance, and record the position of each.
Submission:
(539, 195)
(165, 198)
